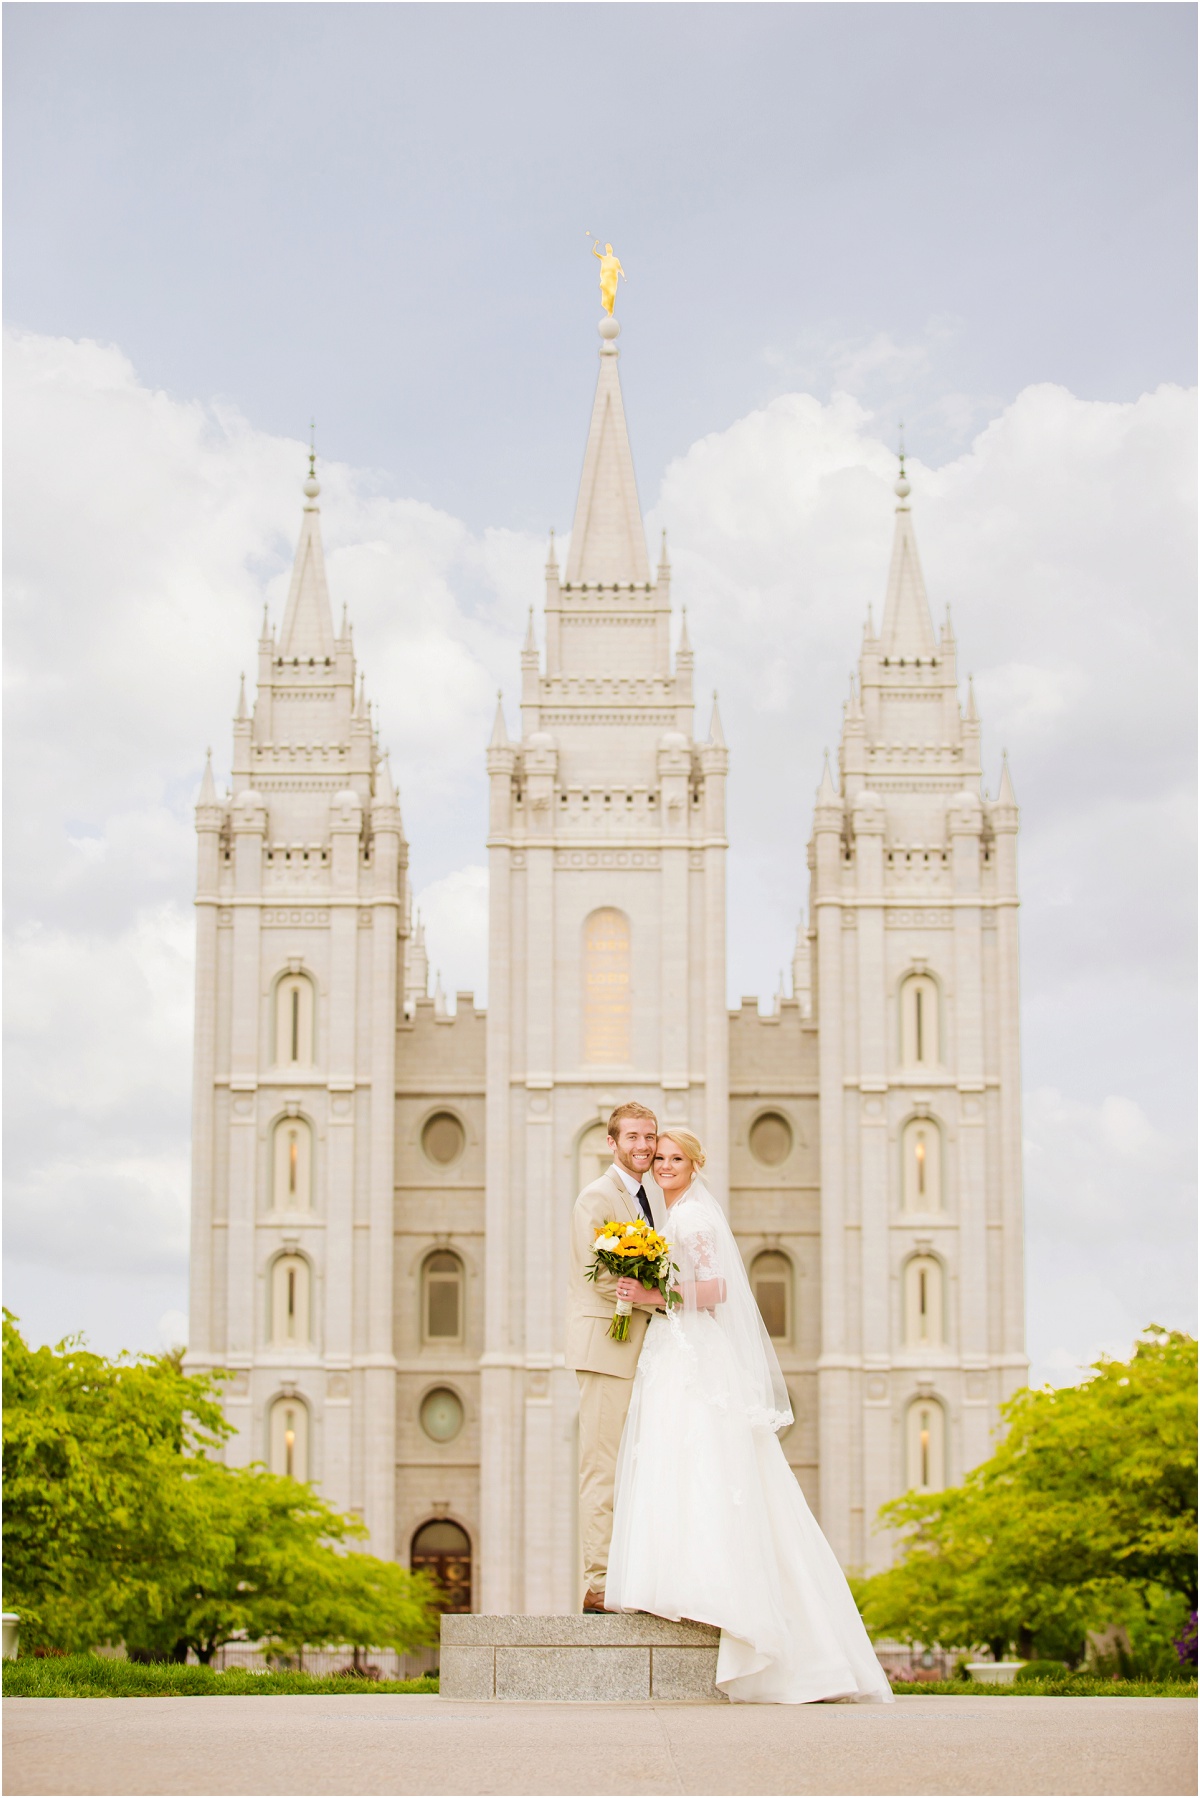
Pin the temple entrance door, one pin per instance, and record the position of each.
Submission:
(444, 1550)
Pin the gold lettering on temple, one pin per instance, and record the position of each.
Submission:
(607, 999)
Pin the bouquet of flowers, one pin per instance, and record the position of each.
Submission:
(636, 1250)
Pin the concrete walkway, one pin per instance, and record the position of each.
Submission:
(427, 1745)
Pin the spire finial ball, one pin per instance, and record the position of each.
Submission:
(609, 328)
(902, 488)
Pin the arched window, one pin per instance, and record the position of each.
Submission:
(444, 1550)
(771, 1279)
(921, 1148)
(923, 1327)
(594, 1155)
(295, 1022)
(926, 1445)
(442, 1297)
(290, 1302)
(920, 1041)
(289, 1438)
(291, 1183)
(607, 999)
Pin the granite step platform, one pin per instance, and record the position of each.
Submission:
(604, 1660)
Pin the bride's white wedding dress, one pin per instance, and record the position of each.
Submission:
(709, 1522)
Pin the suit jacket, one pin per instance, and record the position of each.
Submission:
(589, 1347)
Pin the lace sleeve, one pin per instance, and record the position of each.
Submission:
(702, 1254)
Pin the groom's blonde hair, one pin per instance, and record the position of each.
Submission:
(691, 1145)
(630, 1109)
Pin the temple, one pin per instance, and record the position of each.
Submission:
(370, 1168)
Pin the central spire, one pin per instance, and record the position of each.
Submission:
(907, 623)
(307, 619)
(608, 544)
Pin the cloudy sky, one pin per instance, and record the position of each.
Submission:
(221, 220)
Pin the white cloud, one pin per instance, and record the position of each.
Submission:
(144, 534)
(455, 909)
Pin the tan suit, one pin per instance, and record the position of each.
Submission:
(604, 1368)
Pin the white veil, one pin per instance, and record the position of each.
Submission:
(705, 1249)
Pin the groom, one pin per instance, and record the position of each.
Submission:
(605, 1368)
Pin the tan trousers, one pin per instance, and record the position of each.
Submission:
(603, 1403)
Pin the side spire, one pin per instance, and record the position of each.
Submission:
(499, 738)
(608, 543)
(1006, 795)
(208, 786)
(827, 793)
(715, 734)
(308, 620)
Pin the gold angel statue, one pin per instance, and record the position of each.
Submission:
(610, 270)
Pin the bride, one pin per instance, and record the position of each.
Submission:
(709, 1522)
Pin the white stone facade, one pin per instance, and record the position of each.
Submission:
(368, 1169)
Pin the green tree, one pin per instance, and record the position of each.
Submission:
(94, 1455)
(119, 1525)
(1086, 1509)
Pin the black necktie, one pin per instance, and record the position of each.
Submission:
(644, 1202)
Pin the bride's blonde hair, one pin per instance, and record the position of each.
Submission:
(690, 1144)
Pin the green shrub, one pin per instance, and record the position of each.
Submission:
(1043, 1670)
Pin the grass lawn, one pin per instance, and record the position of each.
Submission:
(1075, 1685)
(91, 1676)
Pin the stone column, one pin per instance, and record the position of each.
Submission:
(539, 1220)
(833, 1380)
(674, 766)
(247, 1004)
(201, 1346)
(965, 820)
(495, 1592)
(337, 1334)
(1005, 817)
(379, 1376)
(875, 1173)
(714, 764)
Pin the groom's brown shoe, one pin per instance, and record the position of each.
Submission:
(594, 1601)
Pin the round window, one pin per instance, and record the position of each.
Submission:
(441, 1414)
(770, 1139)
(443, 1138)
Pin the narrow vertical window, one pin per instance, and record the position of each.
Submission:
(771, 1282)
(290, 1288)
(919, 1045)
(442, 1307)
(291, 1182)
(921, 1169)
(287, 1446)
(923, 1303)
(295, 1021)
(925, 1445)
